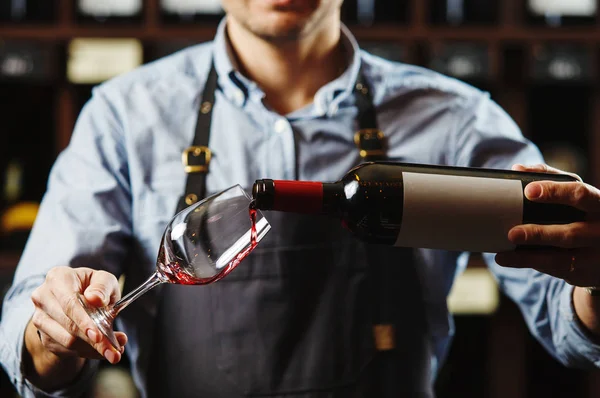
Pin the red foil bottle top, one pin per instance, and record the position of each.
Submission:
(298, 196)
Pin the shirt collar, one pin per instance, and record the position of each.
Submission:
(238, 88)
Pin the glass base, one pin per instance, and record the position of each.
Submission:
(103, 320)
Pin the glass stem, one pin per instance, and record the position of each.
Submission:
(134, 294)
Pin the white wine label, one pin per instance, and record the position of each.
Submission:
(459, 213)
(93, 60)
(110, 8)
(575, 8)
(192, 6)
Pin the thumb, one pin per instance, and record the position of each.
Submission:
(543, 168)
(537, 168)
(103, 289)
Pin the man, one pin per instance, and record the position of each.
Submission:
(296, 317)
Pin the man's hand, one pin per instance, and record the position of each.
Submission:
(61, 334)
(576, 257)
(575, 252)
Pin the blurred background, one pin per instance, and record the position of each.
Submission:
(537, 58)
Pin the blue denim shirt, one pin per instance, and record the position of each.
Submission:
(121, 176)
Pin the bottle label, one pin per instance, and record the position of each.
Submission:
(109, 8)
(580, 8)
(191, 7)
(459, 213)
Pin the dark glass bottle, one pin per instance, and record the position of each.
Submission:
(27, 73)
(464, 12)
(26, 11)
(410, 205)
(559, 71)
(368, 12)
(177, 11)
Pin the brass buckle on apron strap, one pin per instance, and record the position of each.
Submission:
(195, 159)
(370, 142)
(384, 337)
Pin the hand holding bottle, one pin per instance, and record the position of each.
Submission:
(60, 333)
(419, 205)
(576, 257)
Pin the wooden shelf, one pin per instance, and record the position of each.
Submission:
(60, 32)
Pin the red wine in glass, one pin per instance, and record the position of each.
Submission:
(175, 273)
(201, 244)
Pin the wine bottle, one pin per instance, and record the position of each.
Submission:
(463, 60)
(28, 62)
(109, 11)
(561, 12)
(386, 49)
(18, 215)
(25, 11)
(464, 12)
(559, 71)
(426, 206)
(368, 12)
(175, 11)
(164, 48)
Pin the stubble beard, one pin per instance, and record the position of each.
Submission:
(286, 35)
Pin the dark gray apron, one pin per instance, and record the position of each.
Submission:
(312, 312)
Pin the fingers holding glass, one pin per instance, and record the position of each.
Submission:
(64, 326)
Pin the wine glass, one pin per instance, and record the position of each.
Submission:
(201, 244)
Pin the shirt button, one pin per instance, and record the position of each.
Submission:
(281, 125)
(239, 97)
(319, 108)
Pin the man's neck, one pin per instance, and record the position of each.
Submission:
(289, 72)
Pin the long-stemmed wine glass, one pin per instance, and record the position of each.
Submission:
(201, 244)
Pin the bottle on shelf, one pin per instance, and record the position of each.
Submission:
(464, 12)
(163, 48)
(561, 12)
(562, 128)
(18, 214)
(28, 71)
(390, 50)
(27, 11)
(109, 11)
(369, 12)
(175, 11)
(27, 62)
(427, 206)
(463, 60)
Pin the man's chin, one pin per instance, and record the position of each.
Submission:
(279, 32)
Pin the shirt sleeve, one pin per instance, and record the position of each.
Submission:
(487, 137)
(83, 220)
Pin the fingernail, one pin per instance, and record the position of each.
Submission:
(533, 191)
(110, 356)
(517, 235)
(92, 335)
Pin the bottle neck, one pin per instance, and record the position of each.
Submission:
(304, 197)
